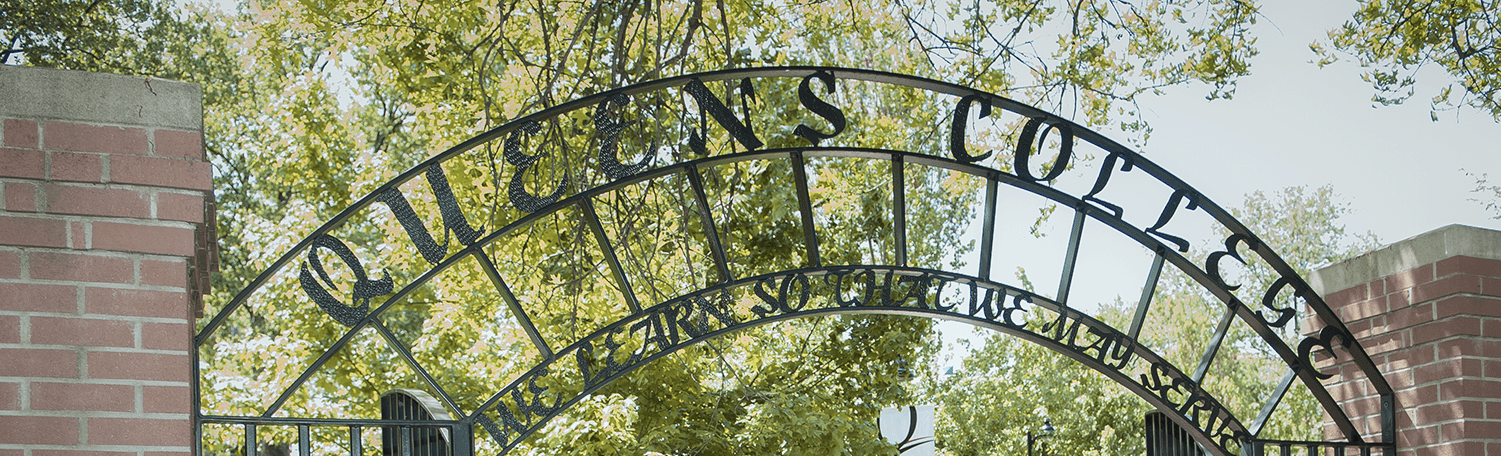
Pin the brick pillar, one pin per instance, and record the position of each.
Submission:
(1428, 311)
(103, 183)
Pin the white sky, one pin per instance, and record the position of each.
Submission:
(1292, 123)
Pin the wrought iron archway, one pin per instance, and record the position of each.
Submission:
(561, 170)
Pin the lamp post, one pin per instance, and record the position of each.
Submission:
(1046, 432)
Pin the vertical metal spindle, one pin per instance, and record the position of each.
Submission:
(250, 444)
(1065, 281)
(899, 206)
(805, 207)
(1148, 290)
(406, 440)
(356, 441)
(304, 440)
(987, 237)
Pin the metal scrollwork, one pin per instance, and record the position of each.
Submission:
(1212, 262)
(651, 330)
(1024, 143)
(609, 126)
(1168, 211)
(364, 289)
(709, 103)
(1269, 300)
(1104, 178)
(1325, 339)
(828, 112)
(961, 120)
(523, 200)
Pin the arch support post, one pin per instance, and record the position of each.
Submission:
(1428, 311)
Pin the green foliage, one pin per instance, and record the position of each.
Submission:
(1395, 40)
(310, 105)
(1490, 195)
(1009, 385)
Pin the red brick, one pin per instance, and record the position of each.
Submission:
(21, 133)
(1449, 448)
(1398, 378)
(25, 164)
(1353, 294)
(88, 138)
(1409, 278)
(166, 336)
(10, 396)
(89, 332)
(1411, 316)
(82, 396)
(1364, 406)
(180, 144)
(87, 200)
(127, 237)
(77, 167)
(1365, 328)
(81, 267)
(138, 366)
(1363, 309)
(35, 297)
(38, 362)
(1447, 369)
(1466, 388)
(172, 273)
(136, 303)
(1414, 397)
(10, 265)
(38, 430)
(1461, 264)
(1490, 328)
(1493, 410)
(33, 232)
(161, 172)
(1456, 326)
(179, 206)
(1454, 348)
(78, 235)
(1411, 437)
(1467, 305)
(79, 453)
(1410, 358)
(1399, 300)
(10, 329)
(140, 431)
(1383, 343)
(1490, 286)
(1446, 286)
(20, 197)
(166, 399)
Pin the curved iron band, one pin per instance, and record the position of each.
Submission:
(1219, 214)
(1229, 427)
(660, 84)
(1246, 314)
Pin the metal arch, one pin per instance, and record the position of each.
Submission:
(1084, 206)
(1078, 336)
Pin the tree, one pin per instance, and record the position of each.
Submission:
(1394, 40)
(1490, 195)
(312, 104)
(1009, 385)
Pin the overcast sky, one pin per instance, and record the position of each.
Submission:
(1292, 123)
